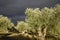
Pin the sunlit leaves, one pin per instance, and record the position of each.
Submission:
(22, 26)
(33, 17)
(55, 22)
(5, 23)
(49, 17)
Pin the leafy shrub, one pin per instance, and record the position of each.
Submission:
(5, 23)
(22, 26)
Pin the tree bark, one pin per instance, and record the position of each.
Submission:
(42, 34)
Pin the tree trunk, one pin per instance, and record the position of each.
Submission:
(42, 34)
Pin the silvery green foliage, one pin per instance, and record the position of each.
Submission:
(34, 18)
(22, 26)
(55, 30)
(39, 18)
(5, 23)
(47, 17)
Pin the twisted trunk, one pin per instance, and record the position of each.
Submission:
(42, 34)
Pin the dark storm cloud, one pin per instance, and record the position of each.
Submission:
(11, 7)
(16, 8)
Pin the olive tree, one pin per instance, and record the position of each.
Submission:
(45, 21)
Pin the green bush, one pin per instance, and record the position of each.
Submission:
(22, 26)
(5, 23)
